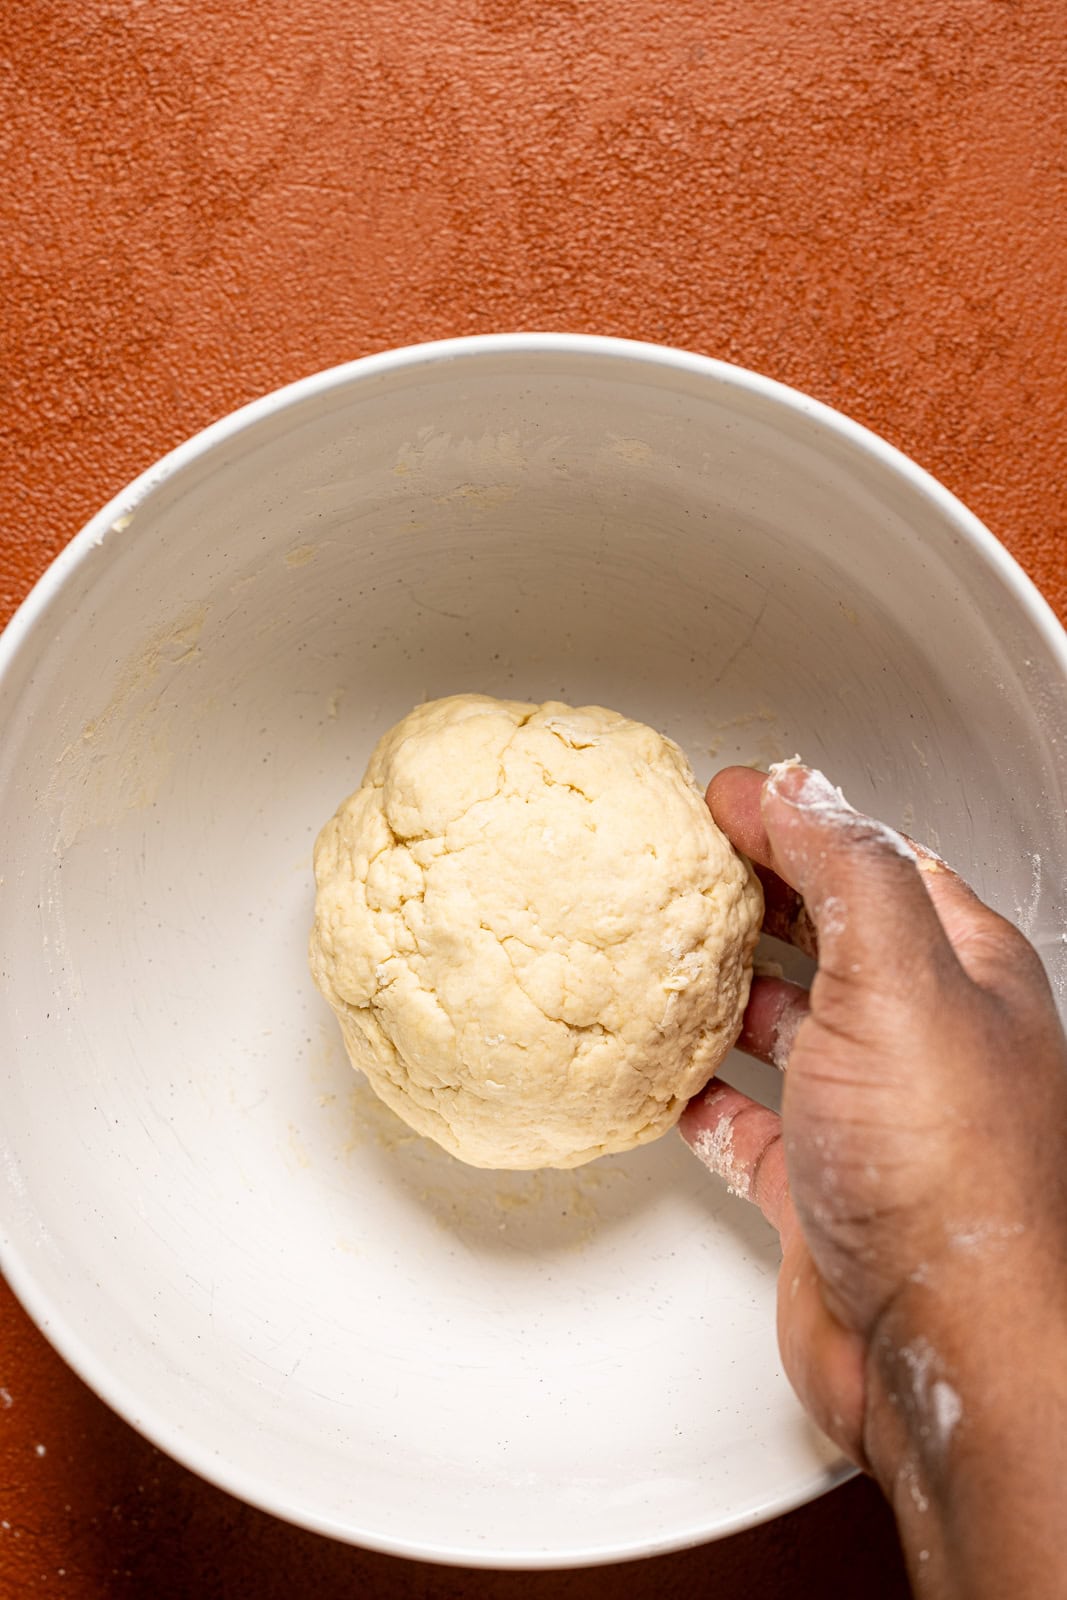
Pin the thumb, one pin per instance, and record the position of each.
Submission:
(859, 879)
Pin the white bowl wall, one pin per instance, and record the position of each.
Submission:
(211, 1220)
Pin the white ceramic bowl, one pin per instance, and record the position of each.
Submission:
(210, 1221)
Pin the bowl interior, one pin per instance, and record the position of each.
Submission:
(215, 1222)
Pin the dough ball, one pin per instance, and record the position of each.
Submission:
(537, 942)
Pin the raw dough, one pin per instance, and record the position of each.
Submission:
(537, 942)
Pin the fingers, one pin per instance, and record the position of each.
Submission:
(990, 949)
(785, 916)
(742, 801)
(858, 879)
(734, 801)
(825, 1361)
(775, 1010)
(741, 1141)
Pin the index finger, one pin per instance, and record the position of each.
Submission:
(734, 801)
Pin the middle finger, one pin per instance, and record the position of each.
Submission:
(776, 1008)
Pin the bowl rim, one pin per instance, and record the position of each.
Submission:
(115, 515)
(111, 520)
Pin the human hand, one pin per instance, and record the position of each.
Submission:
(917, 1172)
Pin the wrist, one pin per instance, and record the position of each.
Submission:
(966, 1431)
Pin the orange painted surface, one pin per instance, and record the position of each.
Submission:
(202, 200)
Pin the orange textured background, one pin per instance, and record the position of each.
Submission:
(202, 200)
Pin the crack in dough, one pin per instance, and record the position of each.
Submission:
(536, 941)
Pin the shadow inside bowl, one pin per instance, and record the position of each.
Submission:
(537, 1214)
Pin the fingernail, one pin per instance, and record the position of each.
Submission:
(807, 788)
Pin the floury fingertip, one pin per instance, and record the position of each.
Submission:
(812, 792)
(811, 789)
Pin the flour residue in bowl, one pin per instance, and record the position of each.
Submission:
(753, 739)
(121, 758)
(514, 1212)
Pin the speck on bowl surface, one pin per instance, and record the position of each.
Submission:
(213, 1223)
